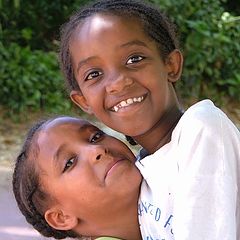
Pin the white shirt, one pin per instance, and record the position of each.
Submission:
(191, 185)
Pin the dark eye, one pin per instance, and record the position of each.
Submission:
(94, 74)
(97, 136)
(69, 164)
(135, 59)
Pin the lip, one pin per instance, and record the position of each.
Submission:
(111, 167)
(136, 101)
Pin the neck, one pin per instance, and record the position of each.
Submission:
(125, 226)
(128, 227)
(121, 223)
(161, 132)
(131, 229)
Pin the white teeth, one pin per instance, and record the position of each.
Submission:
(123, 103)
(127, 102)
(115, 108)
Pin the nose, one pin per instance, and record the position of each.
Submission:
(118, 83)
(98, 153)
(99, 156)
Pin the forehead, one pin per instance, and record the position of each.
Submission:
(65, 122)
(125, 26)
(61, 128)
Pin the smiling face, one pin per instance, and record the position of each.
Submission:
(123, 80)
(89, 174)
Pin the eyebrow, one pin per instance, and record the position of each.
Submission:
(134, 42)
(84, 61)
(57, 155)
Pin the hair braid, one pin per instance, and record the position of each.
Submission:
(27, 190)
(40, 224)
(155, 24)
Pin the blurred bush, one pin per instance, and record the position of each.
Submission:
(30, 77)
(30, 80)
(210, 42)
(34, 23)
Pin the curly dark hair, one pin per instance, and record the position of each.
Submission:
(155, 24)
(31, 198)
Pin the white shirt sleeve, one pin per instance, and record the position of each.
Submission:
(205, 200)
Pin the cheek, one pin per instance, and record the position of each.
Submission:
(93, 96)
(76, 194)
(119, 147)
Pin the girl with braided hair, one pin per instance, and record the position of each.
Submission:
(121, 61)
(72, 180)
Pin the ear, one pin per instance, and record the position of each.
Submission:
(58, 220)
(78, 98)
(174, 63)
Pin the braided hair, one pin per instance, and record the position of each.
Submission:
(155, 24)
(28, 192)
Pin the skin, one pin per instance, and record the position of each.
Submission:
(91, 178)
(114, 60)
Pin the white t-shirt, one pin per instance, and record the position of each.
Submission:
(191, 185)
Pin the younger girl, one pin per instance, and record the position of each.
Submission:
(72, 180)
(121, 60)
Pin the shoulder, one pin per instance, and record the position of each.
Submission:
(204, 115)
(205, 124)
(204, 110)
(206, 140)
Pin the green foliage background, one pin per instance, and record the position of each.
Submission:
(30, 78)
(210, 39)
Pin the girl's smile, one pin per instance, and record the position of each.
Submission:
(122, 77)
(126, 103)
(113, 166)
